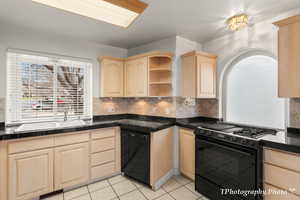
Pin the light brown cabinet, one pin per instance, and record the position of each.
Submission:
(161, 156)
(198, 75)
(112, 77)
(105, 153)
(279, 164)
(136, 77)
(71, 165)
(30, 174)
(187, 152)
(143, 75)
(35, 166)
(288, 57)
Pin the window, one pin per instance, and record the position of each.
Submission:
(43, 88)
(252, 93)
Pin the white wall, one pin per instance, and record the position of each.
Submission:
(177, 45)
(167, 44)
(21, 38)
(183, 46)
(262, 36)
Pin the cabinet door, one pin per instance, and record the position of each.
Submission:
(188, 76)
(141, 77)
(288, 60)
(130, 78)
(71, 165)
(112, 78)
(187, 153)
(136, 77)
(206, 77)
(30, 174)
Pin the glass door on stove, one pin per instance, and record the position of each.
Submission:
(221, 165)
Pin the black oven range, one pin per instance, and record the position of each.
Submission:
(229, 161)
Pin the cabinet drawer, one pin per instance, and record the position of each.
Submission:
(103, 133)
(30, 145)
(282, 178)
(71, 139)
(285, 160)
(274, 193)
(102, 170)
(102, 157)
(103, 144)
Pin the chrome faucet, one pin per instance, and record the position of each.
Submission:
(66, 114)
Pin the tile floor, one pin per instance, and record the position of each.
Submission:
(123, 188)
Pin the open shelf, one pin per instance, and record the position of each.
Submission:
(160, 76)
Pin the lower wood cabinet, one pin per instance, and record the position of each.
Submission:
(32, 167)
(281, 175)
(30, 174)
(71, 165)
(187, 152)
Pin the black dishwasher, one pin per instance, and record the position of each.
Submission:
(135, 149)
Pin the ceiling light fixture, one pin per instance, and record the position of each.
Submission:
(237, 22)
(118, 12)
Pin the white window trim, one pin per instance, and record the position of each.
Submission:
(53, 56)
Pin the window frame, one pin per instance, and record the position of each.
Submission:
(88, 80)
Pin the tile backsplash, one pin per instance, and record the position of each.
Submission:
(164, 106)
(155, 106)
(295, 112)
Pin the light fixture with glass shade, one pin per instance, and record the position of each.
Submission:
(118, 12)
(237, 22)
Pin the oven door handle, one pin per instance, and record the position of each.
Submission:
(229, 148)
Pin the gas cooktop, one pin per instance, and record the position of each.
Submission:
(244, 131)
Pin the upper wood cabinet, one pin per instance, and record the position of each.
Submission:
(148, 74)
(112, 77)
(30, 174)
(289, 57)
(198, 75)
(136, 77)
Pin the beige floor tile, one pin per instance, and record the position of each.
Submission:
(124, 187)
(137, 184)
(135, 195)
(150, 194)
(84, 197)
(117, 179)
(182, 180)
(75, 193)
(55, 197)
(98, 185)
(165, 197)
(191, 187)
(104, 194)
(183, 194)
(171, 185)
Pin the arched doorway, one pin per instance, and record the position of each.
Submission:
(250, 92)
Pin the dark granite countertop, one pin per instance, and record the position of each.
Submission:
(284, 140)
(132, 122)
(288, 140)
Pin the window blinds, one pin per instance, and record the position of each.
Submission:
(43, 88)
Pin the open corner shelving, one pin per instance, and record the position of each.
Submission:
(160, 75)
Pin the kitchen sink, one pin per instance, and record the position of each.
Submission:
(49, 125)
(71, 123)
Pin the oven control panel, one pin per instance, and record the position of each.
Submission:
(227, 137)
